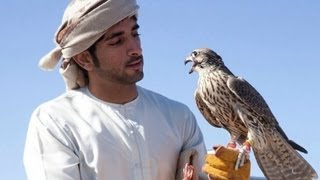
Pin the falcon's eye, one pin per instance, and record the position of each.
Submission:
(194, 54)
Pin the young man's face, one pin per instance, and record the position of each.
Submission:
(119, 54)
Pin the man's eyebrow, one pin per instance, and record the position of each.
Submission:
(113, 35)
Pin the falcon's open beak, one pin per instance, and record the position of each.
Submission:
(190, 60)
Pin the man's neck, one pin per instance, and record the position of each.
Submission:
(114, 93)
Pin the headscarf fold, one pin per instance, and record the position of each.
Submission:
(83, 23)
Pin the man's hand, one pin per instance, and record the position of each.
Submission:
(187, 165)
(221, 165)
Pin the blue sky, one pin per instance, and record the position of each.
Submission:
(274, 45)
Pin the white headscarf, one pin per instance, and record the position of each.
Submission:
(83, 23)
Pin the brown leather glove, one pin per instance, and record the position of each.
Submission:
(221, 165)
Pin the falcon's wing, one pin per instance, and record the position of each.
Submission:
(250, 96)
(206, 112)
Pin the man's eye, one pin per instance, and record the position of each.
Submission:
(136, 35)
(113, 43)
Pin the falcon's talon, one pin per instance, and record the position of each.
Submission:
(232, 145)
(247, 145)
(242, 157)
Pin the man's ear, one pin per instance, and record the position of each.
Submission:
(84, 60)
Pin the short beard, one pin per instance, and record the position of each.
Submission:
(114, 75)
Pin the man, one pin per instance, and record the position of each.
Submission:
(105, 126)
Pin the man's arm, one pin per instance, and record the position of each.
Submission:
(45, 155)
(194, 149)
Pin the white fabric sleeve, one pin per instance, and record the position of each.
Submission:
(47, 156)
(193, 139)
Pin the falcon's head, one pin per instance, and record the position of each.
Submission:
(204, 58)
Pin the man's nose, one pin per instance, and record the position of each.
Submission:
(135, 47)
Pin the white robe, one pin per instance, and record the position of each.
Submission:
(77, 136)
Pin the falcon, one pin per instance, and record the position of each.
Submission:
(230, 102)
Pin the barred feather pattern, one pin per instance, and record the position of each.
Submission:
(229, 102)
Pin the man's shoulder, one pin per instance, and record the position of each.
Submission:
(65, 98)
(155, 95)
(160, 99)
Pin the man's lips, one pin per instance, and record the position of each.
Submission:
(137, 64)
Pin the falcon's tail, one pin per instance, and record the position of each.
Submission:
(279, 160)
(297, 146)
(292, 143)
